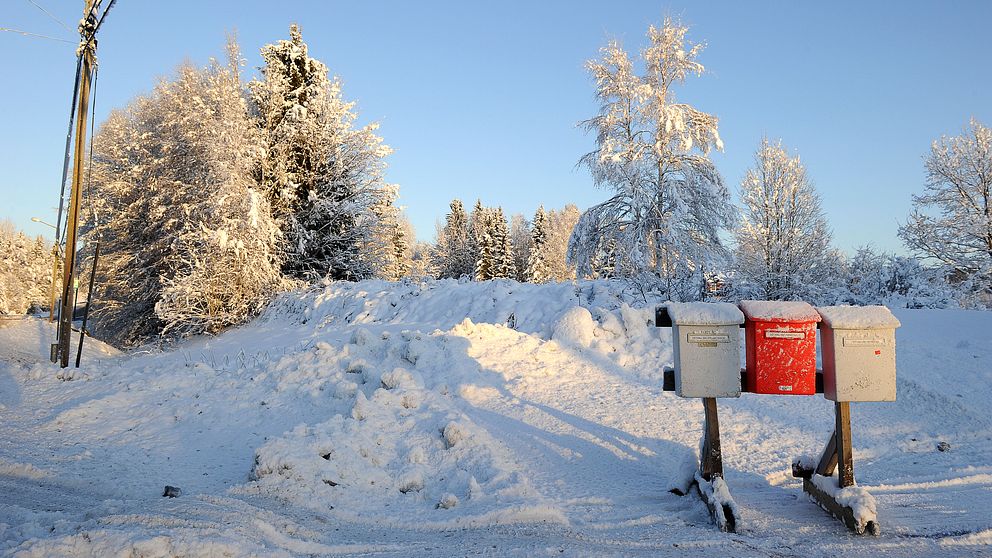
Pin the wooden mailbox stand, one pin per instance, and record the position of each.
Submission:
(837, 455)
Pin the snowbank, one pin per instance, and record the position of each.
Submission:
(447, 418)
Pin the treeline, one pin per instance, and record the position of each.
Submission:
(482, 245)
(211, 193)
(670, 212)
(25, 271)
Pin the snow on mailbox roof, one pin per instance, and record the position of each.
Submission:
(779, 311)
(704, 313)
(858, 317)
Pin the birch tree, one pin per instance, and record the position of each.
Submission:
(669, 203)
(951, 222)
(783, 240)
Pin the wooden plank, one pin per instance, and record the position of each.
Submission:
(718, 509)
(828, 461)
(844, 513)
(711, 460)
(842, 435)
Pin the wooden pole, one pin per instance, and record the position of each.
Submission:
(711, 464)
(75, 199)
(845, 457)
(55, 275)
(89, 299)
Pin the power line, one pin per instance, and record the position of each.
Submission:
(29, 34)
(51, 15)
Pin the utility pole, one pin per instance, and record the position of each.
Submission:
(87, 53)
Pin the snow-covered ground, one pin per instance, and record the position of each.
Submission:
(456, 419)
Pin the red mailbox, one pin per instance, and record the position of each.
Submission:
(780, 342)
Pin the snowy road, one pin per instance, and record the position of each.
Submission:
(372, 420)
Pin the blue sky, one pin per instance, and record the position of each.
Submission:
(482, 100)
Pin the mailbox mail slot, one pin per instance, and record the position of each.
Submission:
(859, 353)
(780, 338)
(707, 348)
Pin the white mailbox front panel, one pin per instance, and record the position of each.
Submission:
(859, 364)
(707, 360)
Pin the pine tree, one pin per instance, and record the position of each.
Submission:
(484, 227)
(669, 203)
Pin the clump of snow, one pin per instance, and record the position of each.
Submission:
(779, 311)
(704, 313)
(858, 317)
(576, 328)
(862, 503)
(717, 493)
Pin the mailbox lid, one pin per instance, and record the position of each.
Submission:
(704, 313)
(779, 311)
(858, 317)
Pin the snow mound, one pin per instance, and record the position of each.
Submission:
(576, 327)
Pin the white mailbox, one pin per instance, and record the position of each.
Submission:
(707, 348)
(859, 353)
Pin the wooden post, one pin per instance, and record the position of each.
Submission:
(75, 199)
(711, 463)
(842, 436)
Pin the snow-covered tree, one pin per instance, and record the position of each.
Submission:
(324, 177)
(783, 240)
(897, 281)
(669, 203)
(559, 228)
(951, 222)
(453, 255)
(537, 266)
(187, 244)
(388, 249)
(25, 271)
(503, 265)
(520, 242)
(483, 238)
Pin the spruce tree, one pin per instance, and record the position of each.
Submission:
(537, 268)
(324, 178)
(503, 266)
